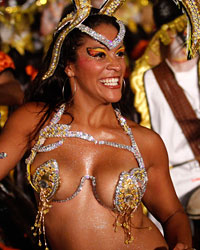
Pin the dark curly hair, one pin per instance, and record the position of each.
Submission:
(50, 91)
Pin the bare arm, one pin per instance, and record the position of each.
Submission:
(14, 139)
(160, 197)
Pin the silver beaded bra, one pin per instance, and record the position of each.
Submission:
(131, 185)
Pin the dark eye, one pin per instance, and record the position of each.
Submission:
(121, 53)
(100, 55)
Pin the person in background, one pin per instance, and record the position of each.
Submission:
(16, 208)
(11, 93)
(171, 100)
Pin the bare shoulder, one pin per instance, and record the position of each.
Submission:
(146, 135)
(25, 117)
(149, 143)
(31, 109)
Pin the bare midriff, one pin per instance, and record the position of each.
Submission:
(84, 224)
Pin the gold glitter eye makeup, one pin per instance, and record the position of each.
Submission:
(96, 52)
(121, 52)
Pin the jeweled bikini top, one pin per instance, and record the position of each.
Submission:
(130, 187)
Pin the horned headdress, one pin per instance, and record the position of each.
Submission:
(75, 19)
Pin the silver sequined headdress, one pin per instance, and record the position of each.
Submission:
(75, 19)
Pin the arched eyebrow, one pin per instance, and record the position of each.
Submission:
(105, 48)
(92, 51)
(122, 47)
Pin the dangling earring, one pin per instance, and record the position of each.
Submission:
(74, 90)
(63, 87)
(123, 86)
(63, 91)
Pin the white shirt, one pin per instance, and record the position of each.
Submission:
(164, 123)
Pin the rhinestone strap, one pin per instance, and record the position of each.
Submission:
(50, 146)
(63, 130)
(128, 130)
(110, 6)
(58, 115)
(78, 190)
(83, 136)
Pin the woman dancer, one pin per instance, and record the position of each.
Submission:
(90, 167)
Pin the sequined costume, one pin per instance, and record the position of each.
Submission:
(46, 180)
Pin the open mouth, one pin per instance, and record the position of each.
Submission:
(111, 82)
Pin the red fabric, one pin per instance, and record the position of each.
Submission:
(139, 49)
(3, 247)
(5, 62)
(31, 71)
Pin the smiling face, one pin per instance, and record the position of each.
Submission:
(98, 72)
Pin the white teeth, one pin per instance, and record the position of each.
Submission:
(111, 84)
(110, 81)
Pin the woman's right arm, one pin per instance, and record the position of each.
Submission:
(14, 138)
